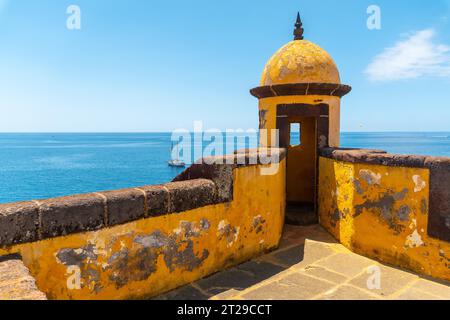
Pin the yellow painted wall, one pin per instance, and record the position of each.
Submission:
(301, 171)
(269, 107)
(382, 212)
(151, 256)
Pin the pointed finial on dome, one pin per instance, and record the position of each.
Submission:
(298, 32)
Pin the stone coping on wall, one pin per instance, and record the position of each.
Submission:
(220, 168)
(200, 185)
(439, 168)
(378, 157)
(301, 89)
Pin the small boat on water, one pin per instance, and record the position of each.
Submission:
(176, 162)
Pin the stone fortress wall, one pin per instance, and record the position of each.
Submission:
(138, 243)
(393, 208)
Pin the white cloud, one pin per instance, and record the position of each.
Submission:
(414, 57)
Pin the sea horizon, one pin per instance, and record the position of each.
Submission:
(46, 165)
(132, 132)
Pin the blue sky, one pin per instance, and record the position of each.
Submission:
(143, 65)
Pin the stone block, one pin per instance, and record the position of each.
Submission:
(191, 194)
(19, 223)
(157, 200)
(124, 206)
(67, 215)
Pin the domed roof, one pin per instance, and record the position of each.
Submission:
(300, 61)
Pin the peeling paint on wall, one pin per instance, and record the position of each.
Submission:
(419, 183)
(382, 212)
(138, 261)
(370, 177)
(226, 231)
(258, 224)
(414, 240)
(385, 206)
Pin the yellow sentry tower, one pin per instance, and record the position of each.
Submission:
(300, 89)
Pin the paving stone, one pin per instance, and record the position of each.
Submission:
(290, 231)
(309, 285)
(296, 235)
(292, 287)
(324, 274)
(414, 294)
(228, 279)
(391, 280)
(287, 290)
(302, 255)
(261, 270)
(318, 233)
(346, 264)
(273, 291)
(184, 293)
(222, 292)
(224, 295)
(288, 257)
(346, 292)
(433, 288)
(315, 251)
(286, 242)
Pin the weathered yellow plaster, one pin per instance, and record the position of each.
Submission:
(268, 107)
(154, 255)
(382, 212)
(300, 61)
(297, 164)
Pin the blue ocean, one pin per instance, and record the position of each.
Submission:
(39, 166)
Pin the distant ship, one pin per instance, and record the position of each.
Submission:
(176, 162)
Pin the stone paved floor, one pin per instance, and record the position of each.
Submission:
(310, 264)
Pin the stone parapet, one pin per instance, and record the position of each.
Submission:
(439, 168)
(207, 182)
